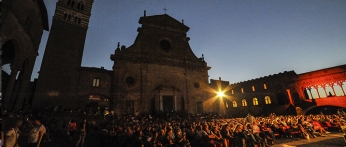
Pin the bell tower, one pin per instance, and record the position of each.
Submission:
(58, 76)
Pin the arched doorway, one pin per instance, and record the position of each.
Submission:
(8, 75)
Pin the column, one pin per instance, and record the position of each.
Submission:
(302, 93)
(309, 88)
(332, 85)
(340, 84)
(318, 93)
(290, 96)
(9, 90)
(324, 89)
(23, 87)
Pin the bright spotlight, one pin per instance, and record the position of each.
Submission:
(220, 94)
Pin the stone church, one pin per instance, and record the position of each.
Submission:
(158, 73)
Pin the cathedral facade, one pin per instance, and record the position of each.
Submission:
(159, 72)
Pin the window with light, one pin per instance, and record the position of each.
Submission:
(96, 82)
(255, 101)
(244, 103)
(267, 100)
(234, 103)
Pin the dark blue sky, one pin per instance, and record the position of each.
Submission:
(240, 39)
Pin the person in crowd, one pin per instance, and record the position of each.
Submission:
(168, 140)
(49, 125)
(219, 136)
(180, 139)
(318, 127)
(305, 128)
(276, 128)
(267, 133)
(190, 131)
(250, 138)
(283, 127)
(83, 130)
(240, 139)
(210, 136)
(120, 135)
(103, 138)
(12, 135)
(36, 133)
(309, 128)
(72, 128)
(137, 140)
(228, 134)
(342, 125)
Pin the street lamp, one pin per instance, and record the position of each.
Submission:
(220, 94)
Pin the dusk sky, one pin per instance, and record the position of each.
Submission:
(240, 39)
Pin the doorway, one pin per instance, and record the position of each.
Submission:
(167, 102)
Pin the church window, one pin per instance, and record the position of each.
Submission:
(234, 103)
(255, 101)
(267, 100)
(96, 82)
(165, 45)
(69, 17)
(265, 86)
(82, 7)
(65, 16)
(196, 85)
(79, 20)
(129, 80)
(244, 103)
(232, 91)
(242, 90)
(69, 2)
(253, 88)
(75, 19)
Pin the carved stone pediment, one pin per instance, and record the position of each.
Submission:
(167, 88)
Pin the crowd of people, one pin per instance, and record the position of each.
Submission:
(143, 130)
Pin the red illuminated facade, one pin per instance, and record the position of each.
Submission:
(284, 93)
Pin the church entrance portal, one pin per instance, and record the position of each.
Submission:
(167, 103)
(129, 106)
